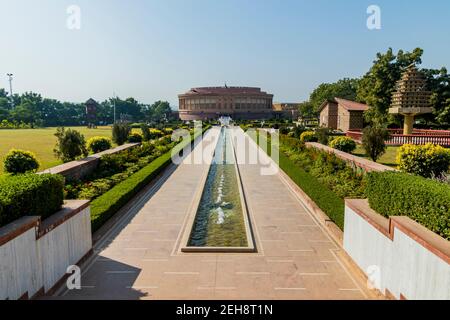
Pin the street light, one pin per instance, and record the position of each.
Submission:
(10, 78)
(114, 106)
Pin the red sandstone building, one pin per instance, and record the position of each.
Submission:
(237, 102)
(342, 114)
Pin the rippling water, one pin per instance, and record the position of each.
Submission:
(219, 220)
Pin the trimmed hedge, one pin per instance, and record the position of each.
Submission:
(106, 205)
(399, 194)
(30, 194)
(345, 144)
(20, 161)
(326, 199)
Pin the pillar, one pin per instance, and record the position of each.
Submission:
(409, 123)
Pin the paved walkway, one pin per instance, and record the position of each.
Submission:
(140, 258)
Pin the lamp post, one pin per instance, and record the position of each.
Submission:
(114, 107)
(10, 78)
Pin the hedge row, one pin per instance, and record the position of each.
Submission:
(30, 194)
(106, 205)
(327, 200)
(399, 194)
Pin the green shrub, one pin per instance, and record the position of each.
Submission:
(156, 133)
(345, 144)
(135, 138)
(323, 135)
(98, 144)
(373, 141)
(308, 136)
(146, 136)
(30, 194)
(168, 130)
(120, 133)
(19, 161)
(400, 194)
(427, 161)
(298, 130)
(107, 204)
(326, 199)
(110, 202)
(70, 145)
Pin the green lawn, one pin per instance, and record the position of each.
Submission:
(41, 142)
(388, 159)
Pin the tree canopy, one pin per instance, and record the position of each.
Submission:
(33, 109)
(375, 88)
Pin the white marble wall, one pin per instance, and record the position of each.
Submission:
(28, 264)
(402, 265)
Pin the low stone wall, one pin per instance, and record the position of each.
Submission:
(401, 258)
(79, 169)
(34, 255)
(359, 162)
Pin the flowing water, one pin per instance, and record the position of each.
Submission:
(219, 221)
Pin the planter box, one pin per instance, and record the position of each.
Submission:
(401, 258)
(34, 255)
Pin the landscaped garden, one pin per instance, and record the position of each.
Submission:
(420, 190)
(116, 179)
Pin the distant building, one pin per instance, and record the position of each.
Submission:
(91, 112)
(286, 110)
(342, 114)
(213, 102)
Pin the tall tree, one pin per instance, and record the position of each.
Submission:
(377, 85)
(344, 88)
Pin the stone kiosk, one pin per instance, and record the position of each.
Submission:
(411, 98)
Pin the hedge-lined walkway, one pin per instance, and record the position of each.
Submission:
(140, 259)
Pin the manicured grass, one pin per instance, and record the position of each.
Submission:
(41, 142)
(388, 159)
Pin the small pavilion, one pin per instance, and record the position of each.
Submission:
(411, 97)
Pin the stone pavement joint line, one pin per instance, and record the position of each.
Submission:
(140, 258)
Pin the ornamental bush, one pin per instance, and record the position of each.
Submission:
(400, 194)
(156, 133)
(19, 161)
(373, 141)
(30, 194)
(120, 133)
(98, 144)
(308, 136)
(71, 144)
(135, 137)
(146, 136)
(427, 160)
(345, 144)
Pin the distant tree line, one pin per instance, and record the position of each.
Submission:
(33, 109)
(375, 88)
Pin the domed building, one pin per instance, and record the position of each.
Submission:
(237, 102)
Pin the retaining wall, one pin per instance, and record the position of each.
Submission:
(401, 258)
(34, 255)
(79, 169)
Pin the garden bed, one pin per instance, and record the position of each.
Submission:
(106, 204)
(325, 178)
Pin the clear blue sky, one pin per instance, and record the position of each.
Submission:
(156, 49)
